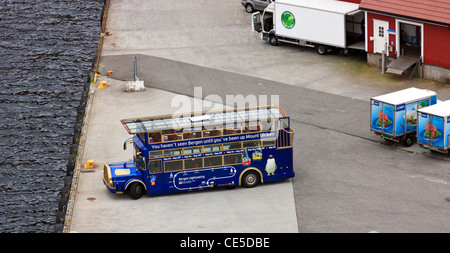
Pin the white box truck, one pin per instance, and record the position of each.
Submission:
(323, 24)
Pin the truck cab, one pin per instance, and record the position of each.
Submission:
(263, 23)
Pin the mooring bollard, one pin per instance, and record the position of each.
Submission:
(89, 164)
(102, 85)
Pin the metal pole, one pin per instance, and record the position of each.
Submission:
(135, 70)
(420, 68)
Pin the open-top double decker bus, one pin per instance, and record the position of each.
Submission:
(226, 148)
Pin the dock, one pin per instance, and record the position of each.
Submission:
(268, 208)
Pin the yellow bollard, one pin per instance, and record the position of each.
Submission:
(95, 77)
(102, 85)
(89, 164)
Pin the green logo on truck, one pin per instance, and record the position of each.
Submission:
(288, 19)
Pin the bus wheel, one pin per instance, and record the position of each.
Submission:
(136, 190)
(250, 179)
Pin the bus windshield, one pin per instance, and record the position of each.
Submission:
(140, 161)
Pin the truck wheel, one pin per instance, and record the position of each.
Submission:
(273, 40)
(249, 8)
(321, 49)
(408, 140)
(250, 179)
(136, 190)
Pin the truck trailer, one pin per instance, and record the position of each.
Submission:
(323, 24)
(434, 127)
(393, 116)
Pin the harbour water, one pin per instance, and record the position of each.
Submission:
(47, 49)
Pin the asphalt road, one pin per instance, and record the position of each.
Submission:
(347, 179)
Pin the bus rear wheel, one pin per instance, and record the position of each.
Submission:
(136, 190)
(250, 179)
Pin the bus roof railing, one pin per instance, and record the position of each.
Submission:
(200, 119)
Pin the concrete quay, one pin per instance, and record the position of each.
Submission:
(269, 208)
(347, 179)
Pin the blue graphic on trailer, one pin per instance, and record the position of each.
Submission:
(431, 130)
(400, 113)
(382, 117)
(377, 107)
(448, 132)
(411, 117)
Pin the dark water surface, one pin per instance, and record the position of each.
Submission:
(46, 51)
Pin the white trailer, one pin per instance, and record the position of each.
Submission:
(393, 116)
(323, 24)
(433, 130)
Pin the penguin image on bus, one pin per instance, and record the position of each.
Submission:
(271, 166)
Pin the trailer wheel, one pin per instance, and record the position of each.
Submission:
(273, 40)
(321, 49)
(408, 140)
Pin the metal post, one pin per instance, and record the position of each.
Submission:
(383, 58)
(420, 68)
(135, 70)
(448, 142)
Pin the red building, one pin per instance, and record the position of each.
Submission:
(351, 1)
(409, 32)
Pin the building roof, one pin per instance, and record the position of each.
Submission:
(435, 11)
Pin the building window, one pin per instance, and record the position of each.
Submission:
(381, 31)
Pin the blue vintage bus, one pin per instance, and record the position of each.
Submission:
(226, 148)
